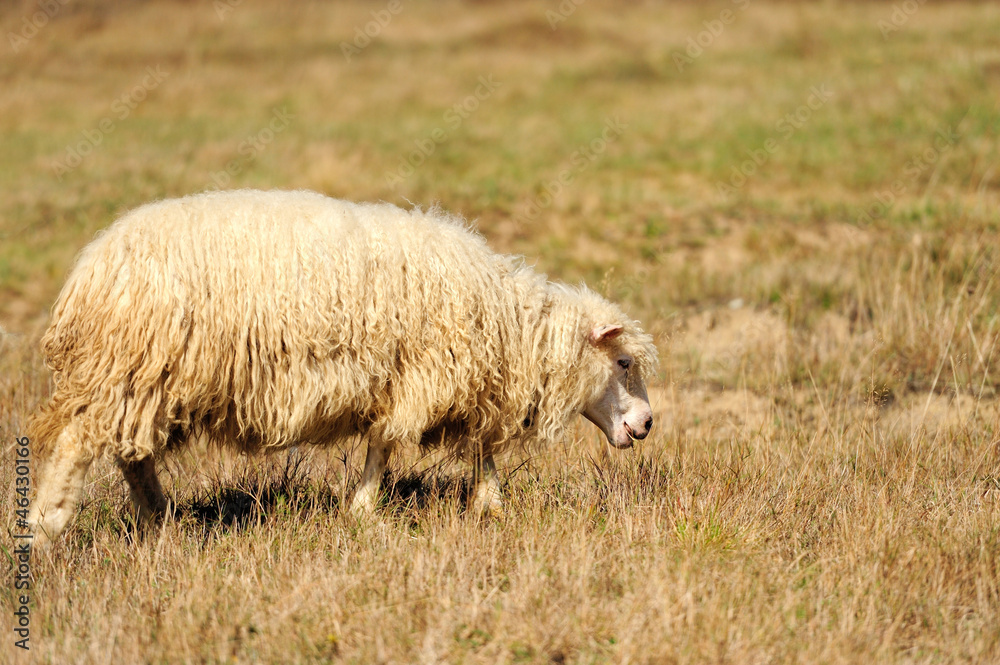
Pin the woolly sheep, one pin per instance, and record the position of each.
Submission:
(265, 319)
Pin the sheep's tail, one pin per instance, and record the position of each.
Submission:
(45, 425)
(49, 420)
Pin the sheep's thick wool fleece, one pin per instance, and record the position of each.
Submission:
(264, 319)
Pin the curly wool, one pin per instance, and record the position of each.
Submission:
(263, 319)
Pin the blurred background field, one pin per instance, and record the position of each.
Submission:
(799, 200)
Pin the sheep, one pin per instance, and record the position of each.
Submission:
(266, 319)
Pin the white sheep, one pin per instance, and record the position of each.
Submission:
(265, 319)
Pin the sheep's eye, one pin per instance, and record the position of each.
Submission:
(624, 363)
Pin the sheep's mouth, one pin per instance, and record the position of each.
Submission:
(629, 442)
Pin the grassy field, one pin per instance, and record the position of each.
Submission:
(800, 201)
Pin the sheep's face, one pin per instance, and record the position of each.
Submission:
(622, 411)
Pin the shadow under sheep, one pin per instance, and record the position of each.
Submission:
(259, 497)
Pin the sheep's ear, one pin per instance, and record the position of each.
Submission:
(602, 334)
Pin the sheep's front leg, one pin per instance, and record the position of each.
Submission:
(145, 488)
(367, 492)
(60, 486)
(487, 500)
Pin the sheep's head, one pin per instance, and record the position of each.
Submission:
(622, 410)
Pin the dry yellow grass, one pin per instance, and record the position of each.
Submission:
(823, 482)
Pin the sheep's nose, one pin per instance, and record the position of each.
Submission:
(649, 423)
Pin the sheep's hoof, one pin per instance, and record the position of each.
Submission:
(489, 508)
(363, 506)
(40, 540)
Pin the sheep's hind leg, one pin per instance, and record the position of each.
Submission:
(145, 489)
(487, 499)
(60, 486)
(367, 493)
